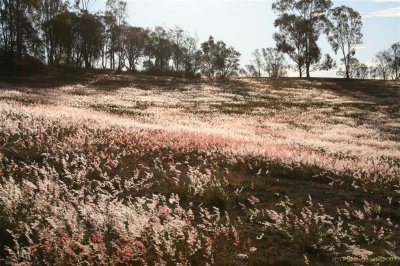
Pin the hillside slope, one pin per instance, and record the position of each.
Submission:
(137, 169)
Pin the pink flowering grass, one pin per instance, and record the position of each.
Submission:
(180, 172)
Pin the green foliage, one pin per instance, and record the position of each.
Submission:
(36, 31)
(19, 29)
(215, 198)
(60, 32)
(300, 23)
(344, 33)
(218, 59)
(134, 45)
(274, 62)
(89, 31)
(327, 63)
(387, 63)
(355, 70)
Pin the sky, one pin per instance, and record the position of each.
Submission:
(248, 24)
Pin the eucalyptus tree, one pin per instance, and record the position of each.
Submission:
(134, 44)
(160, 47)
(228, 63)
(300, 24)
(326, 63)
(393, 57)
(177, 39)
(361, 71)
(256, 66)
(116, 15)
(355, 70)
(19, 25)
(345, 33)
(186, 56)
(192, 55)
(387, 63)
(209, 57)
(49, 10)
(218, 59)
(396, 59)
(61, 31)
(274, 62)
(383, 64)
(291, 40)
(88, 35)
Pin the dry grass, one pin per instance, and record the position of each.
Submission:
(143, 170)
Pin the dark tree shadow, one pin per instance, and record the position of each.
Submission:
(375, 95)
(144, 82)
(46, 80)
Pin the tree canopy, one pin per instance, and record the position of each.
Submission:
(300, 23)
(344, 33)
(70, 33)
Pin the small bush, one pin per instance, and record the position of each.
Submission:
(215, 198)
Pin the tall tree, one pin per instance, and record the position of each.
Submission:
(185, 53)
(301, 23)
(291, 40)
(383, 67)
(218, 59)
(160, 48)
(61, 33)
(228, 61)
(387, 63)
(209, 57)
(8, 36)
(344, 33)
(116, 13)
(50, 9)
(19, 26)
(395, 58)
(89, 35)
(134, 45)
(372, 72)
(192, 56)
(177, 39)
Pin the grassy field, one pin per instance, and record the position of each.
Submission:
(142, 170)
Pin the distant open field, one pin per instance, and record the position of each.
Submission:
(136, 170)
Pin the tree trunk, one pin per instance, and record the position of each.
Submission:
(87, 62)
(347, 65)
(50, 53)
(18, 31)
(307, 59)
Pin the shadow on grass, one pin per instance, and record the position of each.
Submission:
(377, 94)
(104, 80)
(47, 80)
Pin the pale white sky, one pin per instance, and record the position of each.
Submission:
(248, 24)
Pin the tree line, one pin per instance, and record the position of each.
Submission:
(300, 24)
(57, 33)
